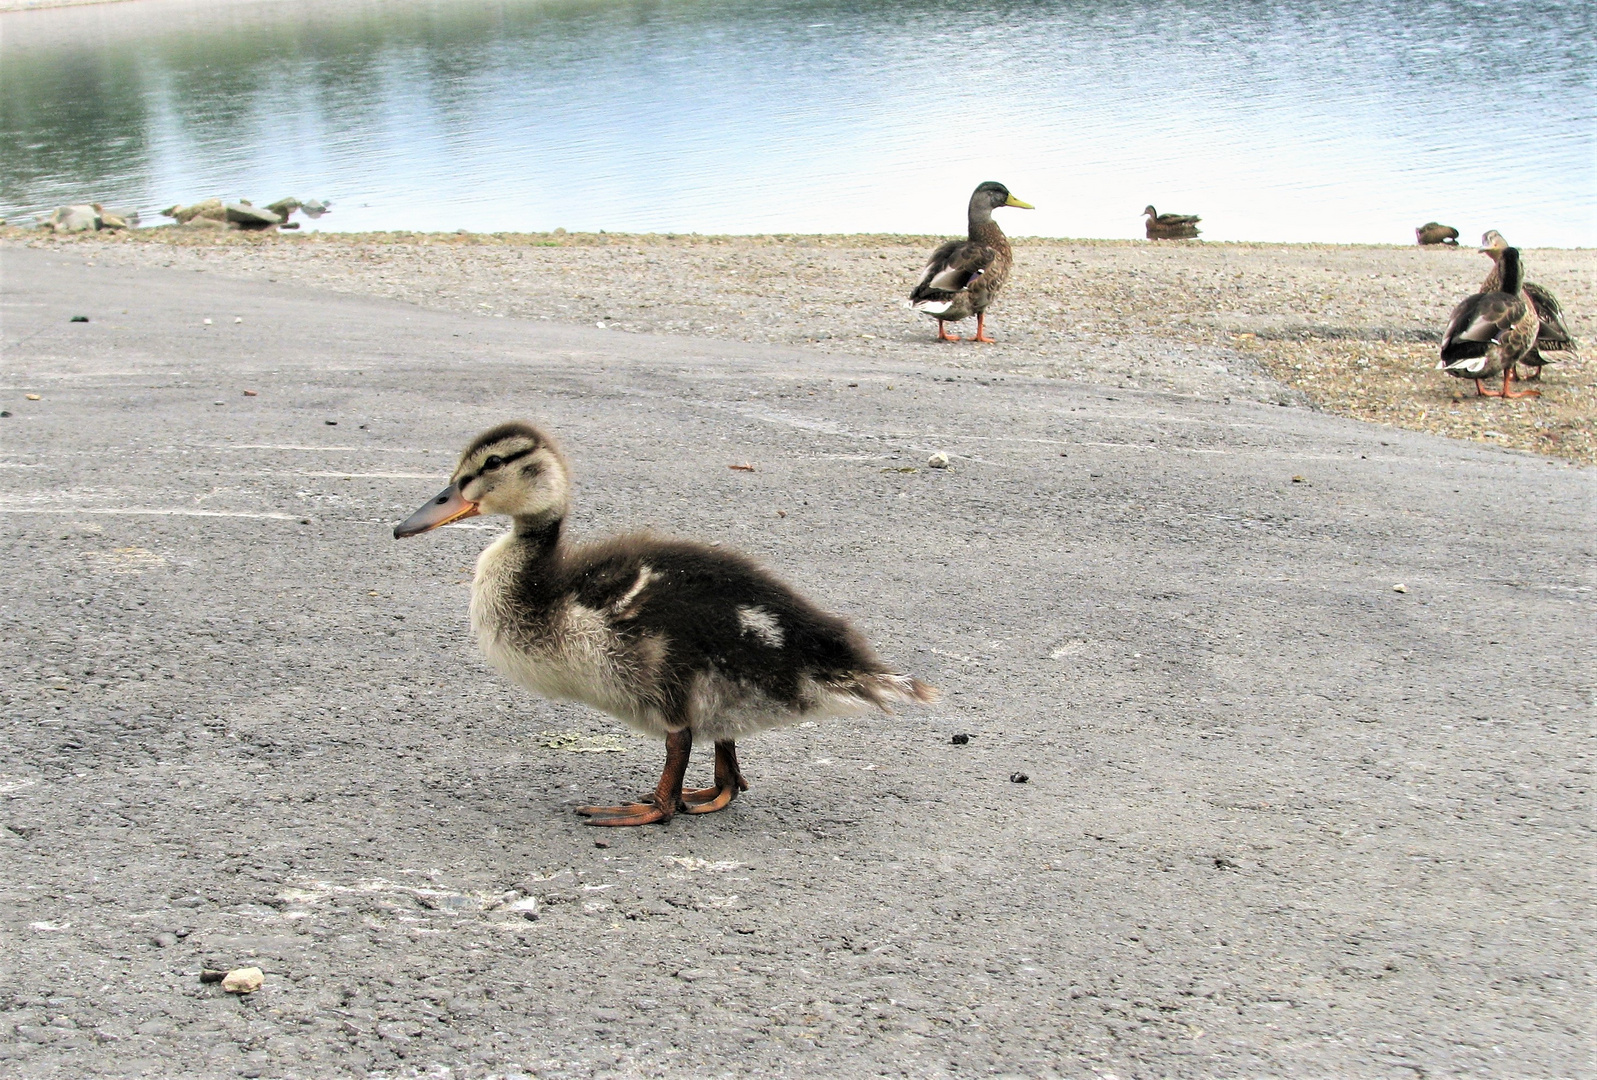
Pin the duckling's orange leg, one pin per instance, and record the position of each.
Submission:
(728, 782)
(943, 334)
(667, 797)
(981, 334)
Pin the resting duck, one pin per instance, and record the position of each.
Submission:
(1433, 233)
(1171, 226)
(1489, 332)
(964, 276)
(1553, 336)
(673, 638)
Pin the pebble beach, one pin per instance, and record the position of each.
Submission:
(1348, 329)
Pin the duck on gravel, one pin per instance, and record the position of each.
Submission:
(963, 277)
(1170, 226)
(1489, 332)
(1553, 335)
(676, 639)
(1436, 233)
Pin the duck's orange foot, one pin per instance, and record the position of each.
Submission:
(709, 800)
(981, 330)
(944, 335)
(644, 813)
(985, 338)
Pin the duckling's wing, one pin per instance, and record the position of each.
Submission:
(1553, 335)
(1475, 323)
(719, 620)
(951, 268)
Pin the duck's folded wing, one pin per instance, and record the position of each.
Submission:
(1178, 219)
(951, 268)
(1475, 323)
(1553, 335)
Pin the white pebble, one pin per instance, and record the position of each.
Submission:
(938, 460)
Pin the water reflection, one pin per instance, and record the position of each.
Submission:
(1275, 121)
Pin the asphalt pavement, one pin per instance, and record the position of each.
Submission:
(1300, 704)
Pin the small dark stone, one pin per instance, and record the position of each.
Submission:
(304, 521)
(1018, 778)
(5, 412)
(330, 423)
(1223, 863)
(960, 740)
(601, 843)
(212, 975)
(80, 318)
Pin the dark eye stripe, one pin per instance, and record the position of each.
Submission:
(504, 460)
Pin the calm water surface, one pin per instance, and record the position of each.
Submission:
(1346, 121)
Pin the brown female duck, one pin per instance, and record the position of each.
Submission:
(1171, 226)
(1553, 335)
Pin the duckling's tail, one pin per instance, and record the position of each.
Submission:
(890, 688)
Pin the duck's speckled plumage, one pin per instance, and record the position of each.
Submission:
(1489, 332)
(963, 277)
(1552, 335)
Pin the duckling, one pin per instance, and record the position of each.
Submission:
(1170, 226)
(1553, 336)
(1433, 233)
(963, 277)
(1489, 332)
(675, 639)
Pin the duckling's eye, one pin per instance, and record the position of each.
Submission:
(493, 462)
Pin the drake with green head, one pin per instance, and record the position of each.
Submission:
(963, 277)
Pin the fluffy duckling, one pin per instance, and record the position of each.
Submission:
(1489, 332)
(963, 276)
(1170, 226)
(673, 638)
(1553, 335)
(1436, 233)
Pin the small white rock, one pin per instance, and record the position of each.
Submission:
(207, 322)
(237, 319)
(938, 460)
(243, 980)
(1400, 588)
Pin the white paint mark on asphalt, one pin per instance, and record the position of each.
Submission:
(374, 475)
(154, 513)
(297, 446)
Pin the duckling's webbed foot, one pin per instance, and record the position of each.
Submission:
(728, 782)
(667, 798)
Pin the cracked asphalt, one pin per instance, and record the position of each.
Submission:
(1283, 817)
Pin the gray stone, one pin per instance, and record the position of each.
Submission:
(71, 219)
(315, 208)
(246, 216)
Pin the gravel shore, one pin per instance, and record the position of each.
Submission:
(1348, 329)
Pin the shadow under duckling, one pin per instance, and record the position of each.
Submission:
(676, 639)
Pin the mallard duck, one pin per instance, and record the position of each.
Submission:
(1433, 233)
(963, 276)
(1553, 335)
(1489, 332)
(675, 639)
(1171, 226)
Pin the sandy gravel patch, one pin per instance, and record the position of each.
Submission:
(1349, 329)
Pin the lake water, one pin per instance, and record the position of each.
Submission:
(1346, 121)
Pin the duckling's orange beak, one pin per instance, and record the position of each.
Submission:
(448, 505)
